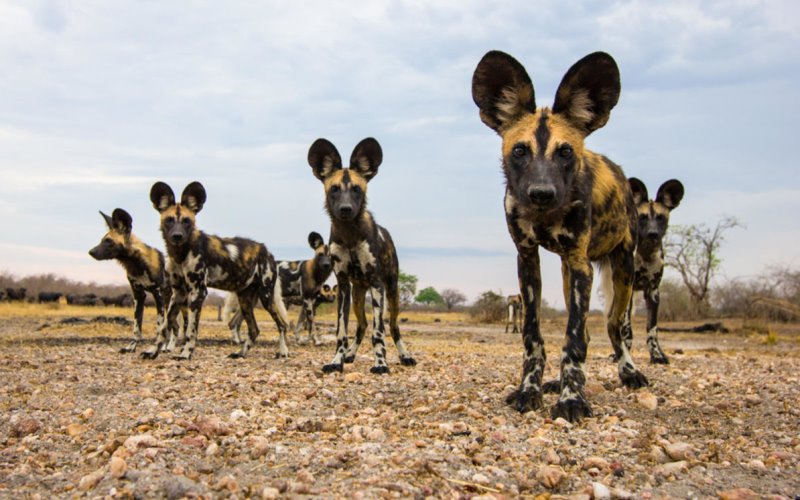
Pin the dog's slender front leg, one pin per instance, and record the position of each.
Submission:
(529, 394)
(343, 312)
(197, 294)
(378, 341)
(652, 299)
(572, 404)
(138, 305)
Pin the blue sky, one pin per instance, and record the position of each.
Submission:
(101, 99)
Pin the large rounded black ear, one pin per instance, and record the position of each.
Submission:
(670, 193)
(639, 190)
(588, 92)
(194, 196)
(324, 159)
(366, 158)
(315, 240)
(108, 219)
(162, 196)
(122, 220)
(502, 90)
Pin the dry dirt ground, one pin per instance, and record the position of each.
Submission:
(77, 419)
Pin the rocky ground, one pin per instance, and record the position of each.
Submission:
(78, 419)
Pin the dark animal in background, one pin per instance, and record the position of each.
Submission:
(16, 294)
(83, 299)
(198, 260)
(364, 256)
(326, 295)
(45, 297)
(568, 200)
(144, 267)
(123, 300)
(653, 220)
(514, 317)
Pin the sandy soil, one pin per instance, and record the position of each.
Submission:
(79, 419)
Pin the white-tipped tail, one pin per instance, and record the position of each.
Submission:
(230, 307)
(606, 285)
(277, 302)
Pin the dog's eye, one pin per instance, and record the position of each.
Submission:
(566, 152)
(108, 241)
(186, 221)
(335, 188)
(518, 151)
(356, 190)
(169, 221)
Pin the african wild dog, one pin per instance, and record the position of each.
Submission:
(570, 201)
(232, 314)
(363, 252)
(16, 294)
(198, 260)
(143, 264)
(301, 282)
(649, 261)
(514, 303)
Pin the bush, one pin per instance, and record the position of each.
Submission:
(489, 308)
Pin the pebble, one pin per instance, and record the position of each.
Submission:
(480, 478)
(600, 491)
(25, 427)
(738, 494)
(679, 451)
(237, 414)
(141, 441)
(259, 446)
(647, 399)
(89, 481)
(87, 413)
(118, 466)
(75, 430)
(177, 487)
(598, 462)
(353, 377)
(210, 426)
(756, 465)
(270, 493)
(551, 457)
(328, 394)
(550, 476)
(671, 468)
(212, 449)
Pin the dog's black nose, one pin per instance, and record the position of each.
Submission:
(652, 235)
(176, 238)
(346, 209)
(542, 194)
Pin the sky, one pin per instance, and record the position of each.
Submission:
(99, 100)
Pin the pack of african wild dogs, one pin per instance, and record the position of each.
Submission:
(559, 196)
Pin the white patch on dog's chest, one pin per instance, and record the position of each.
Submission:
(341, 258)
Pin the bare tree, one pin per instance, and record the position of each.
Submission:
(694, 251)
(452, 298)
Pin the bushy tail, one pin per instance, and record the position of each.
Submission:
(277, 302)
(606, 285)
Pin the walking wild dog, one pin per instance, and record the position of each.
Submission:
(514, 318)
(143, 264)
(302, 283)
(653, 219)
(363, 253)
(198, 260)
(569, 200)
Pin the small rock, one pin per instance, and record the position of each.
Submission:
(551, 457)
(237, 414)
(647, 399)
(259, 446)
(621, 494)
(480, 478)
(679, 451)
(550, 476)
(210, 426)
(118, 467)
(600, 491)
(141, 441)
(375, 435)
(87, 413)
(328, 394)
(756, 465)
(227, 483)
(304, 476)
(598, 462)
(752, 399)
(353, 377)
(177, 487)
(738, 494)
(177, 430)
(75, 430)
(89, 481)
(671, 468)
(212, 449)
(658, 455)
(196, 441)
(270, 493)
(25, 427)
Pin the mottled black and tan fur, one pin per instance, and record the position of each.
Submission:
(653, 220)
(144, 266)
(514, 317)
(364, 256)
(568, 200)
(197, 260)
(301, 284)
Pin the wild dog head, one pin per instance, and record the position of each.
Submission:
(117, 240)
(178, 220)
(327, 294)
(345, 188)
(322, 264)
(653, 215)
(542, 147)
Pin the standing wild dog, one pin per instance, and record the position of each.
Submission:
(363, 252)
(649, 261)
(514, 303)
(301, 284)
(143, 264)
(198, 260)
(569, 200)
